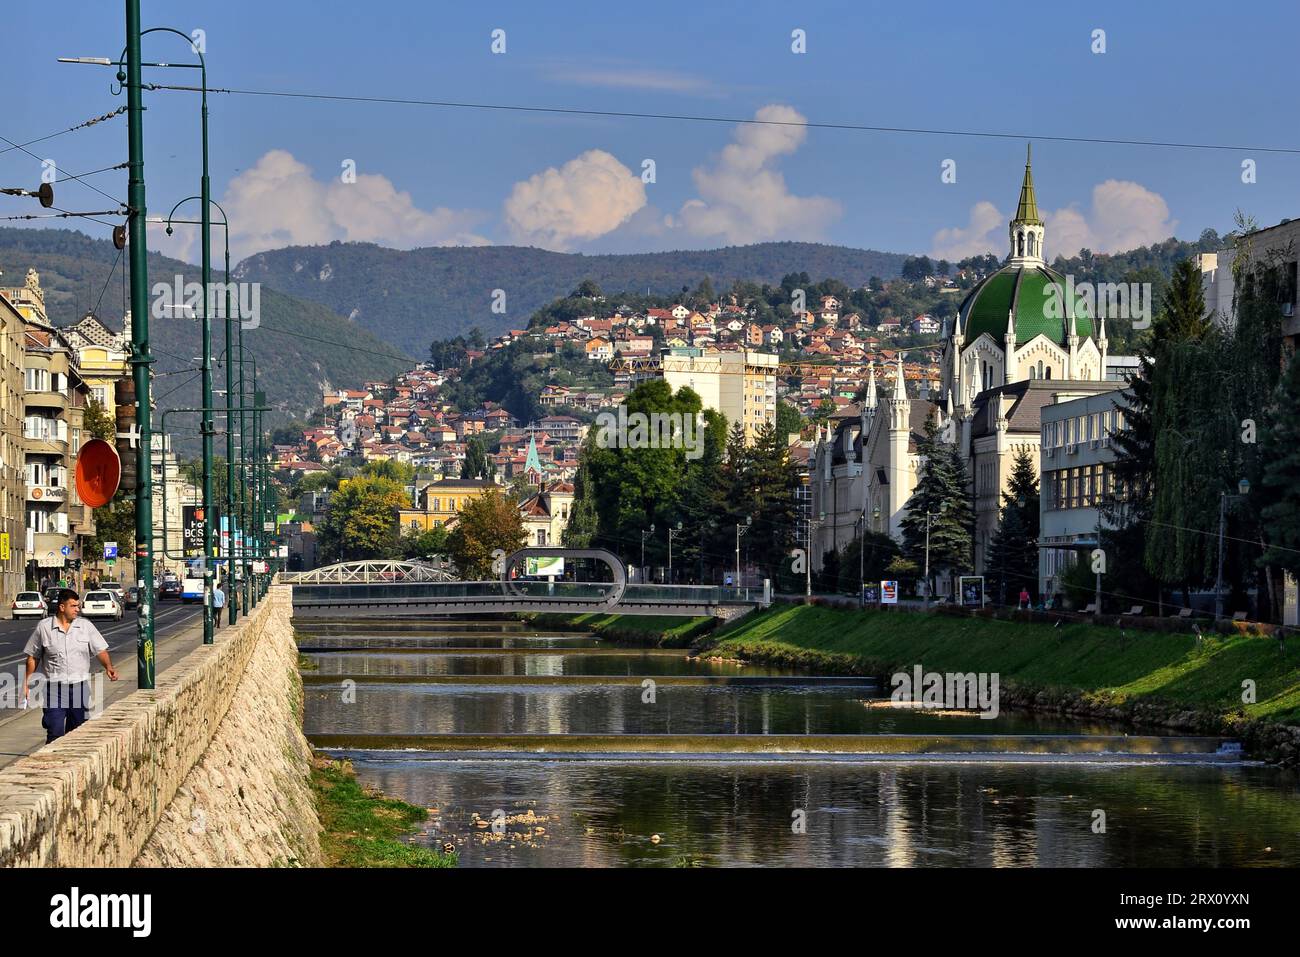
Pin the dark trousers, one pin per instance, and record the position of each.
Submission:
(65, 708)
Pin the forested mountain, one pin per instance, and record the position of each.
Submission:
(409, 298)
(301, 348)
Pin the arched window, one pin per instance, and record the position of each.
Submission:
(1020, 243)
(1040, 368)
(1049, 372)
(1031, 245)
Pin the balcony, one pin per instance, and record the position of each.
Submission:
(35, 399)
(46, 445)
(46, 493)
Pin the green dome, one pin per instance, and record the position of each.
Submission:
(1023, 288)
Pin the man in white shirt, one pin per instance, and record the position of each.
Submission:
(64, 644)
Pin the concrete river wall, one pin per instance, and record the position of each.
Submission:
(209, 769)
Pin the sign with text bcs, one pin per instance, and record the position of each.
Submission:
(889, 593)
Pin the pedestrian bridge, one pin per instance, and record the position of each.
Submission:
(389, 589)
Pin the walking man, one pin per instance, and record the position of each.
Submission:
(63, 645)
(218, 603)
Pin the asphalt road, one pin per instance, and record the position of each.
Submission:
(169, 617)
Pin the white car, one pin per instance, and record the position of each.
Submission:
(117, 591)
(101, 604)
(28, 604)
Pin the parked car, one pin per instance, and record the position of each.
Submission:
(133, 597)
(170, 588)
(28, 604)
(101, 604)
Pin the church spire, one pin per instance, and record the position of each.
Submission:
(1027, 211)
(1026, 229)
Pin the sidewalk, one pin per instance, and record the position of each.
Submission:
(21, 732)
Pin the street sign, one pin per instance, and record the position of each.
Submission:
(4, 546)
(65, 551)
(110, 550)
(268, 526)
(889, 593)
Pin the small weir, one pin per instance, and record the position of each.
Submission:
(587, 753)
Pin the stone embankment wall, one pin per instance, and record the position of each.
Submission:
(209, 768)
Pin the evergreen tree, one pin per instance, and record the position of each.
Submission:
(942, 491)
(1012, 557)
(1281, 475)
(477, 465)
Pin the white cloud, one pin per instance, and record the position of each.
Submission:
(744, 199)
(278, 202)
(621, 75)
(1123, 215)
(978, 237)
(589, 196)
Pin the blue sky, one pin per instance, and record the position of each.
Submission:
(437, 175)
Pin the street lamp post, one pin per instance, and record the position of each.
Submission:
(862, 547)
(672, 533)
(229, 505)
(807, 563)
(1243, 489)
(740, 531)
(929, 516)
(644, 533)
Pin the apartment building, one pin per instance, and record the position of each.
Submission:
(13, 480)
(1077, 463)
(740, 384)
(55, 399)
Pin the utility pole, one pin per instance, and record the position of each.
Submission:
(140, 357)
(208, 428)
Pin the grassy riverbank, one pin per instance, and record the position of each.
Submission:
(360, 828)
(1095, 663)
(658, 630)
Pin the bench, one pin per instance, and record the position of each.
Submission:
(1238, 616)
(1134, 612)
(1091, 609)
(1185, 613)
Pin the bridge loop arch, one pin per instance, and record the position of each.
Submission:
(617, 587)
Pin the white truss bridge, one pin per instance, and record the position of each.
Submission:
(368, 573)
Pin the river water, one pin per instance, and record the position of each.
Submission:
(605, 807)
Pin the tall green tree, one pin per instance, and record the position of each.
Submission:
(487, 522)
(477, 465)
(942, 491)
(362, 519)
(1012, 559)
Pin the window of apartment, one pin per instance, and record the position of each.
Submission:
(60, 382)
(38, 520)
(76, 438)
(437, 505)
(36, 380)
(100, 394)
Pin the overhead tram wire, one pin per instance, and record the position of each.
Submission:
(752, 121)
(75, 178)
(49, 136)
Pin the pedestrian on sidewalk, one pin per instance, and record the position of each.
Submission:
(63, 646)
(218, 603)
(1024, 597)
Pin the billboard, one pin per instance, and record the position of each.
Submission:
(192, 529)
(971, 590)
(544, 566)
(889, 593)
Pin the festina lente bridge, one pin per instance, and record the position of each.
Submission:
(379, 588)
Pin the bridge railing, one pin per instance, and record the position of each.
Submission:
(525, 589)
